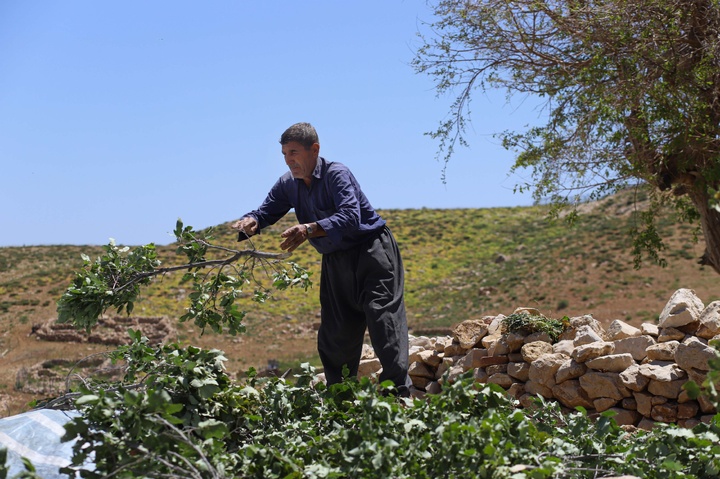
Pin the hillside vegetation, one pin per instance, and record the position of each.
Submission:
(460, 264)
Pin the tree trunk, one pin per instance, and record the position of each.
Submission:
(710, 222)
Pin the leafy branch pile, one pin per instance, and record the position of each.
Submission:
(525, 323)
(178, 414)
(114, 280)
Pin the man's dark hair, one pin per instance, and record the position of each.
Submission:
(303, 133)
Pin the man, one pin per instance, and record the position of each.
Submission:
(362, 278)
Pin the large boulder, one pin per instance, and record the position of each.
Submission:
(683, 308)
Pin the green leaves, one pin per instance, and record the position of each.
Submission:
(526, 323)
(114, 280)
(178, 414)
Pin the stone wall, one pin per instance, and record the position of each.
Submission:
(109, 330)
(637, 372)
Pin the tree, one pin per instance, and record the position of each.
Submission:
(631, 90)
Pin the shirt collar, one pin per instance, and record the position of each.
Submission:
(317, 172)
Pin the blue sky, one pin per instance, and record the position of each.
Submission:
(118, 117)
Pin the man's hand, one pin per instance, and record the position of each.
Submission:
(294, 237)
(247, 225)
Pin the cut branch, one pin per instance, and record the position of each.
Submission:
(204, 264)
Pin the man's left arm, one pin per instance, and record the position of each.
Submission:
(296, 235)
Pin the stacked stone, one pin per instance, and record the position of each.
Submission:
(636, 372)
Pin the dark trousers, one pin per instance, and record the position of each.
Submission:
(363, 288)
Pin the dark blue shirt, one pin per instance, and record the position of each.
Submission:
(334, 200)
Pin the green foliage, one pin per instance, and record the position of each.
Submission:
(106, 283)
(114, 280)
(526, 323)
(179, 415)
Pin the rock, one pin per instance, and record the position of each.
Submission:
(538, 336)
(516, 390)
(515, 357)
(624, 417)
(611, 363)
(709, 321)
(662, 371)
(694, 354)
(670, 334)
(603, 404)
(646, 424)
(433, 387)
(501, 379)
(664, 412)
(565, 347)
(537, 389)
(496, 368)
(585, 335)
(491, 360)
(636, 346)
(367, 352)
(454, 349)
(603, 385)
(443, 367)
(508, 343)
(442, 342)
(662, 351)
(469, 333)
(528, 311)
(543, 369)
(570, 369)
(489, 341)
(687, 410)
(368, 367)
(533, 351)
(666, 389)
(621, 330)
(472, 359)
(629, 403)
(650, 329)
(431, 357)
(593, 350)
(683, 308)
(527, 400)
(420, 382)
(632, 379)
(571, 394)
(480, 375)
(495, 325)
(519, 371)
(452, 374)
(420, 369)
(580, 321)
(421, 342)
(644, 403)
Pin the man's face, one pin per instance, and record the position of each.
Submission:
(301, 161)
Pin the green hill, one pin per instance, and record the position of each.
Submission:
(460, 264)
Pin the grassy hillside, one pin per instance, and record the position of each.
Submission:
(460, 264)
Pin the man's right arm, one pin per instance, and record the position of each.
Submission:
(276, 205)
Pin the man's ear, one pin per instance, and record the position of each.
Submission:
(315, 148)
